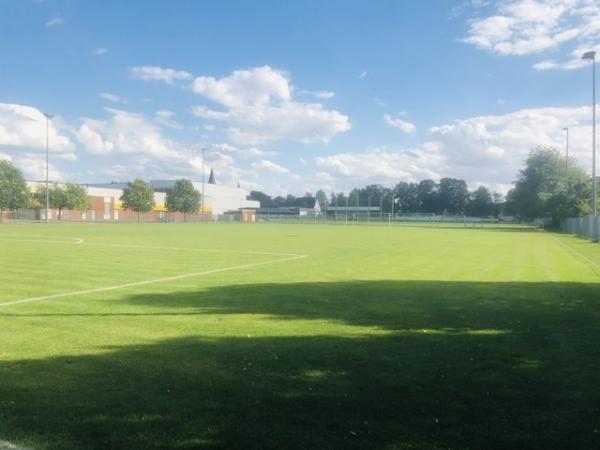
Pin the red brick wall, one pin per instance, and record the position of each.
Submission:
(96, 213)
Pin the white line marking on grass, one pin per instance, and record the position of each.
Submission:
(47, 240)
(153, 281)
(72, 240)
(215, 250)
(575, 252)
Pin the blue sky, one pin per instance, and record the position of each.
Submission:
(289, 97)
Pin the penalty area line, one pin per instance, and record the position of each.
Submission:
(152, 281)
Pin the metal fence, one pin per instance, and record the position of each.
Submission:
(585, 226)
(375, 217)
(66, 216)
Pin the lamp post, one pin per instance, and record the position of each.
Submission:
(48, 118)
(566, 130)
(592, 55)
(202, 203)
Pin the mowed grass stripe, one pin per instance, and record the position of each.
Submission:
(88, 267)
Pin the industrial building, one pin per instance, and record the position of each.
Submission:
(106, 205)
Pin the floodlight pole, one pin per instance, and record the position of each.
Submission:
(347, 209)
(566, 130)
(594, 181)
(48, 117)
(336, 206)
(202, 203)
(592, 55)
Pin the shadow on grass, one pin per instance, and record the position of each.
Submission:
(453, 365)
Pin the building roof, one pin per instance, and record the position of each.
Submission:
(211, 178)
(353, 208)
(280, 210)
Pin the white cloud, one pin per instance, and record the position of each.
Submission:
(257, 86)
(259, 107)
(572, 63)
(34, 168)
(321, 95)
(269, 166)
(141, 149)
(99, 51)
(111, 97)
(23, 130)
(486, 150)
(156, 73)
(245, 152)
(377, 101)
(521, 27)
(362, 75)
(492, 148)
(205, 113)
(382, 165)
(167, 119)
(55, 21)
(124, 133)
(396, 122)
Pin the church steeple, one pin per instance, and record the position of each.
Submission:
(211, 178)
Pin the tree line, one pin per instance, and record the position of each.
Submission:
(548, 186)
(448, 196)
(15, 193)
(138, 195)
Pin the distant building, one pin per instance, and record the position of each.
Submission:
(106, 204)
(353, 209)
(352, 212)
(217, 198)
(304, 206)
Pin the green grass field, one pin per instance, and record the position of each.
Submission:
(297, 336)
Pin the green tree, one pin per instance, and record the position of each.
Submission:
(499, 204)
(279, 201)
(138, 196)
(14, 193)
(407, 197)
(76, 197)
(57, 198)
(386, 199)
(338, 199)
(453, 196)
(264, 199)
(182, 197)
(322, 199)
(542, 189)
(354, 198)
(427, 191)
(481, 203)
